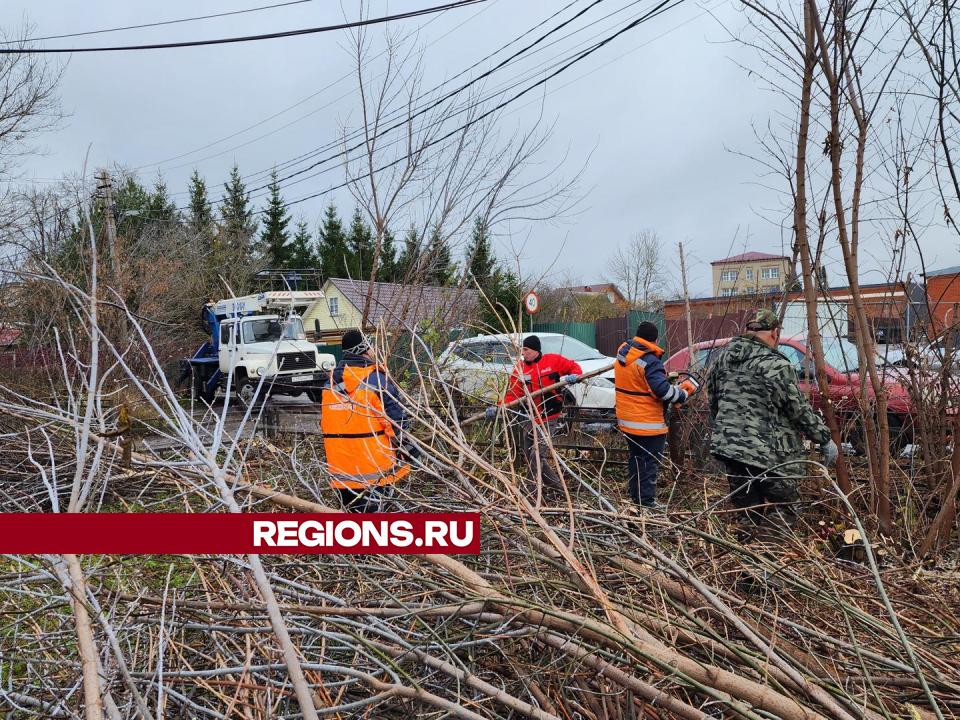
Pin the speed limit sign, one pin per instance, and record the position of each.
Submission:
(531, 302)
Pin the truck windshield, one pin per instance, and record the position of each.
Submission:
(293, 329)
(266, 330)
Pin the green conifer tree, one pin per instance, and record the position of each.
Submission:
(361, 246)
(479, 256)
(438, 261)
(408, 266)
(302, 255)
(388, 266)
(201, 215)
(160, 207)
(238, 222)
(332, 245)
(275, 238)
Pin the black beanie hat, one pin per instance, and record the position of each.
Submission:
(532, 342)
(648, 331)
(354, 342)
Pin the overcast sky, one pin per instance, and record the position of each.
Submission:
(665, 110)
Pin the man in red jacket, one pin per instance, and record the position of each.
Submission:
(535, 372)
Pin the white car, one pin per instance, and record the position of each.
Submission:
(480, 368)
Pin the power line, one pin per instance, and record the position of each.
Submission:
(155, 24)
(659, 9)
(249, 38)
(295, 105)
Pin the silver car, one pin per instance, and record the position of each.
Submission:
(480, 367)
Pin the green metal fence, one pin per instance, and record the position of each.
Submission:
(584, 332)
(635, 317)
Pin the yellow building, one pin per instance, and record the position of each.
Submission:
(750, 273)
(393, 306)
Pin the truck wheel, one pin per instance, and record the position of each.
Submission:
(200, 392)
(315, 395)
(247, 391)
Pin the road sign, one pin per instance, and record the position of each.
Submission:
(531, 302)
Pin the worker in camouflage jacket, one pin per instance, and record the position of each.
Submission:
(760, 417)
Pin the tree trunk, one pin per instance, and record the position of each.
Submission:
(809, 271)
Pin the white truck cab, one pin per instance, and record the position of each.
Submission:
(261, 337)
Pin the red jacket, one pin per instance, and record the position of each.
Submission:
(542, 372)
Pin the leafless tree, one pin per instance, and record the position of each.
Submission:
(435, 160)
(29, 106)
(636, 267)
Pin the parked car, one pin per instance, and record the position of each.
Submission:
(479, 368)
(841, 359)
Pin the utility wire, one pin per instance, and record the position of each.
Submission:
(149, 25)
(248, 38)
(295, 105)
(659, 9)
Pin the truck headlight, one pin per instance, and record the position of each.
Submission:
(327, 365)
(261, 371)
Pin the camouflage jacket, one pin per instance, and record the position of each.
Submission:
(758, 413)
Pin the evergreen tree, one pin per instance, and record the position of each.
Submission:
(239, 225)
(133, 208)
(480, 260)
(408, 266)
(505, 292)
(361, 246)
(440, 268)
(387, 269)
(302, 255)
(275, 239)
(160, 207)
(201, 216)
(332, 245)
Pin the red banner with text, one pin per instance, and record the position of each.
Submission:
(226, 534)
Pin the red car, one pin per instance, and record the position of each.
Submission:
(842, 372)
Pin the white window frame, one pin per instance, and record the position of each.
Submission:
(728, 292)
(749, 273)
(333, 305)
(728, 276)
(770, 273)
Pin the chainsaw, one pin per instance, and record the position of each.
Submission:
(691, 383)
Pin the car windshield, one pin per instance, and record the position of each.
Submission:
(841, 355)
(266, 330)
(569, 348)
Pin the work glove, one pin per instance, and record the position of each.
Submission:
(570, 378)
(490, 413)
(684, 396)
(830, 453)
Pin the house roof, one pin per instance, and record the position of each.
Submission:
(749, 257)
(955, 270)
(595, 288)
(394, 304)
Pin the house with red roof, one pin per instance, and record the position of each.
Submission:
(750, 273)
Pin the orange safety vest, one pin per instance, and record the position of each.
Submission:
(639, 411)
(357, 433)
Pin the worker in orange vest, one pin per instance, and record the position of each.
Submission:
(363, 426)
(643, 397)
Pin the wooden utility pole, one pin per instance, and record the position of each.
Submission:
(692, 361)
(105, 185)
(109, 221)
